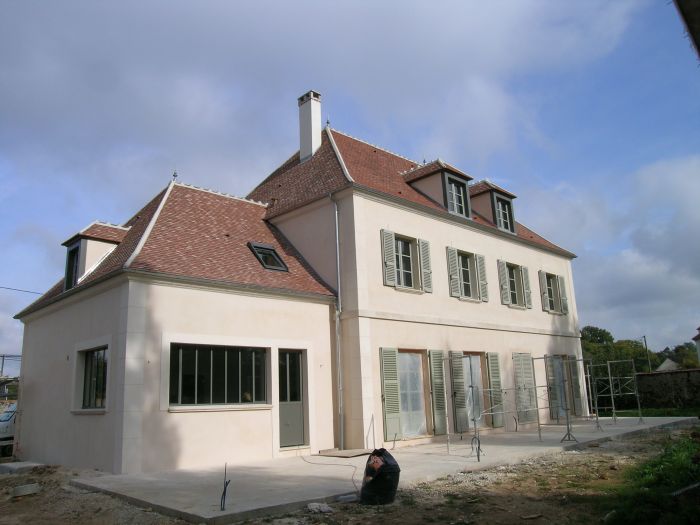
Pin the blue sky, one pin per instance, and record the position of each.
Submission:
(588, 111)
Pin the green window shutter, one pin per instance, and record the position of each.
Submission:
(496, 389)
(503, 281)
(526, 286)
(437, 381)
(483, 283)
(391, 397)
(575, 385)
(524, 387)
(453, 272)
(551, 362)
(459, 396)
(426, 273)
(562, 295)
(543, 290)
(389, 256)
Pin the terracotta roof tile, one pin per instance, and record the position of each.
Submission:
(294, 184)
(100, 232)
(204, 235)
(428, 169)
(484, 185)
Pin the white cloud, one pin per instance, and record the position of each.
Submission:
(637, 271)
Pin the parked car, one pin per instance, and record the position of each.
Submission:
(7, 429)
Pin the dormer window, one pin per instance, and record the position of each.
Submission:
(456, 196)
(268, 257)
(72, 261)
(504, 213)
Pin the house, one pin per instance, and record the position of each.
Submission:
(668, 365)
(353, 299)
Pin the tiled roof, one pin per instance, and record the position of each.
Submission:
(294, 184)
(201, 235)
(101, 232)
(204, 235)
(430, 168)
(485, 185)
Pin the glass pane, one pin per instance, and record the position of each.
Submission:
(100, 380)
(87, 381)
(188, 375)
(174, 374)
(295, 376)
(413, 421)
(218, 380)
(233, 393)
(259, 372)
(283, 376)
(246, 375)
(203, 375)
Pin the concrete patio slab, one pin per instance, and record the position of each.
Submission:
(290, 483)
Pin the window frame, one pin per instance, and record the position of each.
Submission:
(553, 293)
(259, 391)
(449, 181)
(400, 240)
(72, 272)
(93, 387)
(507, 225)
(514, 280)
(267, 249)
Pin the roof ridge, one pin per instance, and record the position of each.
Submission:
(221, 194)
(338, 155)
(423, 165)
(149, 227)
(103, 223)
(376, 147)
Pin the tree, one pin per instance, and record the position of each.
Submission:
(686, 355)
(599, 336)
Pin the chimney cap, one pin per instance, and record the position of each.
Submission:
(308, 96)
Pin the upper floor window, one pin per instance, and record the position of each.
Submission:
(515, 284)
(457, 199)
(406, 262)
(268, 257)
(504, 214)
(467, 273)
(553, 293)
(72, 263)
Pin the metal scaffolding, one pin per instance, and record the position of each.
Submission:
(610, 380)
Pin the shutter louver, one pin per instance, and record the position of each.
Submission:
(526, 286)
(390, 394)
(453, 273)
(388, 253)
(495, 387)
(437, 381)
(503, 281)
(562, 295)
(575, 385)
(543, 290)
(525, 386)
(552, 385)
(483, 282)
(425, 270)
(459, 396)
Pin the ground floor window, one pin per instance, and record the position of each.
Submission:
(413, 419)
(208, 374)
(94, 378)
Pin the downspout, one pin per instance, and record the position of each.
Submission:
(338, 310)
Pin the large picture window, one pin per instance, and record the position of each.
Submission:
(210, 375)
(94, 378)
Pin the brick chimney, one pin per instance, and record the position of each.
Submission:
(309, 124)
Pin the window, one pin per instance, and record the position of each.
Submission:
(406, 262)
(504, 214)
(211, 375)
(467, 272)
(94, 378)
(456, 196)
(268, 257)
(72, 260)
(404, 265)
(553, 293)
(515, 284)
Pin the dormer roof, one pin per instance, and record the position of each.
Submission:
(483, 186)
(430, 168)
(100, 231)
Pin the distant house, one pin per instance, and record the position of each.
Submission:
(668, 365)
(353, 299)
